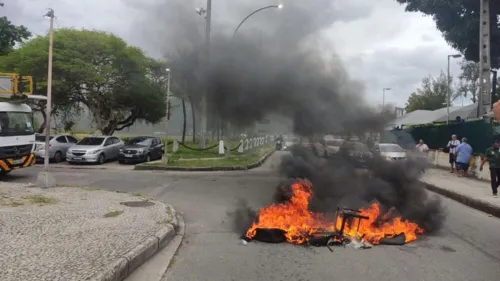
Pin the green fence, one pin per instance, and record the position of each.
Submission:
(479, 133)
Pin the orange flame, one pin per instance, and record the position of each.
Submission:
(299, 223)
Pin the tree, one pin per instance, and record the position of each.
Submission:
(431, 95)
(458, 20)
(97, 71)
(469, 80)
(10, 35)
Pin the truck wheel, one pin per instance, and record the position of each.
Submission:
(58, 157)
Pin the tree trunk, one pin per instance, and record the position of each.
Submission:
(194, 119)
(184, 124)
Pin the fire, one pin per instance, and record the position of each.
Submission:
(299, 223)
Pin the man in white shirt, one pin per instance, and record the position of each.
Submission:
(452, 145)
(422, 147)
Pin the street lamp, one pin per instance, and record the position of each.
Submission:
(280, 6)
(456, 56)
(383, 96)
(165, 156)
(45, 179)
(208, 27)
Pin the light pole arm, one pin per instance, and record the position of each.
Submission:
(254, 12)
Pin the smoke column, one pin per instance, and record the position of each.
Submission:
(281, 63)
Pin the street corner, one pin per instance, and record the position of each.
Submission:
(69, 233)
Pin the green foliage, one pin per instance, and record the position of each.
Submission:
(469, 80)
(458, 20)
(431, 95)
(10, 35)
(97, 71)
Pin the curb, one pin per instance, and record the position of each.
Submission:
(143, 167)
(120, 268)
(474, 203)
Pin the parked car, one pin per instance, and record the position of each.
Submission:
(389, 151)
(333, 145)
(141, 149)
(58, 146)
(94, 149)
(357, 151)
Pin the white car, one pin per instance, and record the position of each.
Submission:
(95, 149)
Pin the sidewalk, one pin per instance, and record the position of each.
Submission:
(70, 233)
(471, 192)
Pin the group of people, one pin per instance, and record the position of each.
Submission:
(460, 156)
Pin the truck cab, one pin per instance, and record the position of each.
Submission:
(17, 136)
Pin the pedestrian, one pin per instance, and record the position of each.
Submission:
(452, 145)
(464, 154)
(492, 156)
(422, 150)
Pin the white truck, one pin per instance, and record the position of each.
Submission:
(17, 133)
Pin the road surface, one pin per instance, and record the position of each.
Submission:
(468, 247)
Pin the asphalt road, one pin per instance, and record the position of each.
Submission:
(468, 248)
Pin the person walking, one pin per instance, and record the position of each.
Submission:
(464, 154)
(452, 145)
(492, 156)
(421, 146)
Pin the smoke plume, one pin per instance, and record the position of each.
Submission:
(280, 62)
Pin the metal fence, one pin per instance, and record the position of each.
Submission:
(480, 135)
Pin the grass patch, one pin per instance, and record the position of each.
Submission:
(11, 203)
(88, 188)
(236, 159)
(113, 214)
(40, 199)
(142, 196)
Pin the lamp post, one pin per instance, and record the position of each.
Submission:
(383, 96)
(165, 155)
(45, 179)
(280, 6)
(448, 90)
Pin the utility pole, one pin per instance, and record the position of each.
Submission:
(208, 28)
(45, 179)
(484, 97)
(165, 156)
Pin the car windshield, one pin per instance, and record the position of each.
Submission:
(16, 123)
(41, 138)
(391, 148)
(140, 141)
(91, 141)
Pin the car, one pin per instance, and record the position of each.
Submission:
(58, 146)
(357, 151)
(333, 145)
(389, 151)
(94, 149)
(141, 149)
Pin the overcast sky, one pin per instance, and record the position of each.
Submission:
(381, 44)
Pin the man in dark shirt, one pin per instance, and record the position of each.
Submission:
(492, 156)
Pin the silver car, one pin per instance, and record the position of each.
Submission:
(58, 146)
(94, 149)
(389, 151)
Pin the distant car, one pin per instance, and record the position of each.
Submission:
(94, 149)
(141, 149)
(357, 151)
(389, 151)
(333, 146)
(58, 146)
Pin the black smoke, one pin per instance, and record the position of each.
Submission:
(280, 63)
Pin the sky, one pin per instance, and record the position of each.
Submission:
(380, 44)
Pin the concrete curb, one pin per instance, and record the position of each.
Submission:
(120, 268)
(466, 200)
(142, 167)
